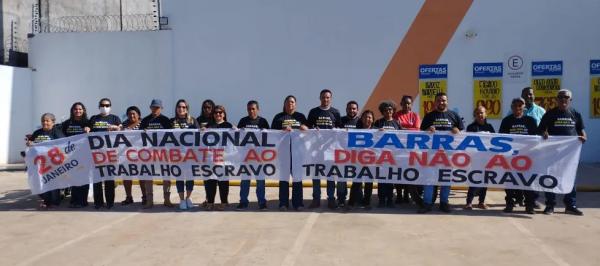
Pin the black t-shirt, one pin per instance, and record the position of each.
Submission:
(525, 125)
(73, 127)
(442, 121)
(222, 125)
(203, 121)
(159, 122)
(258, 123)
(324, 119)
(183, 123)
(349, 123)
(562, 123)
(476, 127)
(99, 123)
(283, 120)
(40, 135)
(387, 124)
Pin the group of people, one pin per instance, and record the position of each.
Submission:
(525, 118)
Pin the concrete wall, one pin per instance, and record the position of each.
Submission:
(15, 112)
(266, 50)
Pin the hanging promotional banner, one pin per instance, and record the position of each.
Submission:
(419, 158)
(432, 80)
(595, 89)
(545, 82)
(158, 154)
(487, 88)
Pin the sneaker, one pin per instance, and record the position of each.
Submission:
(74, 206)
(508, 209)
(331, 204)
(314, 204)
(189, 203)
(262, 207)
(210, 206)
(573, 211)
(299, 208)
(425, 209)
(530, 210)
(549, 210)
(241, 207)
(204, 204)
(445, 207)
(283, 208)
(468, 207)
(109, 206)
(127, 201)
(341, 205)
(182, 205)
(482, 206)
(220, 206)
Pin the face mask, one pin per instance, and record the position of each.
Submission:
(105, 110)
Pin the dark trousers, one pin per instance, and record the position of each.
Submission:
(211, 190)
(482, 191)
(79, 195)
(189, 185)
(512, 196)
(51, 197)
(385, 193)
(570, 199)
(109, 193)
(284, 194)
(402, 192)
(357, 195)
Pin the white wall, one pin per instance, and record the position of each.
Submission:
(15, 112)
(234, 51)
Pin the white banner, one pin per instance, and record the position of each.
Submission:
(165, 154)
(408, 157)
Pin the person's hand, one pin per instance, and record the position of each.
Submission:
(86, 129)
(288, 129)
(28, 143)
(431, 129)
(382, 129)
(582, 139)
(455, 130)
(303, 127)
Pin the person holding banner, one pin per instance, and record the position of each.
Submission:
(203, 120)
(183, 120)
(356, 194)
(46, 133)
(349, 121)
(531, 109)
(102, 122)
(563, 120)
(219, 121)
(440, 119)
(78, 123)
(385, 192)
(287, 120)
(520, 124)
(479, 125)
(324, 116)
(155, 120)
(133, 123)
(252, 122)
(408, 120)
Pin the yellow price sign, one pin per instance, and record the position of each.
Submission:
(488, 93)
(545, 90)
(595, 97)
(428, 89)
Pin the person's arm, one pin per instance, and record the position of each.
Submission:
(543, 127)
(417, 124)
(459, 124)
(580, 128)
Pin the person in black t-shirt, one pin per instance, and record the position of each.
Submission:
(349, 121)
(46, 133)
(219, 121)
(252, 122)
(563, 120)
(479, 125)
(155, 120)
(100, 123)
(206, 115)
(183, 120)
(520, 124)
(288, 120)
(78, 123)
(385, 191)
(440, 119)
(133, 123)
(367, 119)
(324, 117)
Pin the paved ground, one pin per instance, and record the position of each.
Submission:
(128, 235)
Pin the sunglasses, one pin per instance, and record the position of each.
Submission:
(563, 97)
(104, 105)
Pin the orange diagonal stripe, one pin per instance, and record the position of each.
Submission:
(424, 43)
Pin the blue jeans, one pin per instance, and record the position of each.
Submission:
(284, 194)
(428, 194)
(245, 191)
(189, 185)
(570, 199)
(316, 184)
